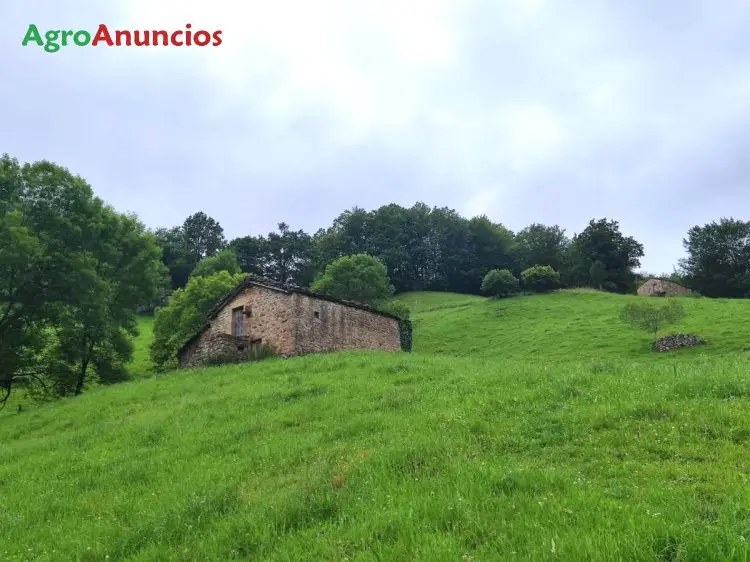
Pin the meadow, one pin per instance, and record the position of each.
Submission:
(569, 325)
(533, 428)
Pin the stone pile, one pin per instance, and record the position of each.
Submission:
(677, 341)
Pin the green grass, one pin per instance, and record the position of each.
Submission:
(376, 456)
(141, 364)
(566, 325)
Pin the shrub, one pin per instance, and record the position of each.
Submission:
(186, 314)
(226, 260)
(397, 308)
(405, 331)
(651, 318)
(540, 279)
(500, 283)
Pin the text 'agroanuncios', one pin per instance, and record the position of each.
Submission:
(54, 39)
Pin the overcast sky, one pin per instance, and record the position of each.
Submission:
(527, 111)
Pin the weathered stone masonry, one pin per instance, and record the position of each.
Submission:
(291, 320)
(662, 288)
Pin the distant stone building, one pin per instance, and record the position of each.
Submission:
(289, 320)
(662, 288)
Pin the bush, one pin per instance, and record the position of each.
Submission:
(397, 308)
(226, 260)
(186, 314)
(500, 283)
(405, 333)
(651, 318)
(540, 279)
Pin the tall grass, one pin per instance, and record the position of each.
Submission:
(372, 456)
(531, 428)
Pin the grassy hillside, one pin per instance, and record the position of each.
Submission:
(141, 364)
(386, 457)
(566, 325)
(524, 429)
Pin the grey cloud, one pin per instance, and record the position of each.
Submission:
(652, 100)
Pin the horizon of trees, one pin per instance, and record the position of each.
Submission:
(435, 248)
(423, 248)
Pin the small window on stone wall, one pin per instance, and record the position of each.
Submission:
(317, 314)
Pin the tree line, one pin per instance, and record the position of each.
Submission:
(423, 248)
(436, 249)
(74, 272)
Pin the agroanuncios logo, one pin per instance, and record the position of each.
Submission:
(54, 39)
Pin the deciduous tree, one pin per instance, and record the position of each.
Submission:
(203, 236)
(72, 274)
(538, 244)
(718, 259)
(603, 242)
(360, 278)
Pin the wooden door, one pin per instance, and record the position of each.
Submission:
(237, 322)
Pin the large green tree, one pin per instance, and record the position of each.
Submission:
(360, 278)
(198, 237)
(284, 256)
(490, 247)
(72, 275)
(175, 255)
(250, 252)
(203, 236)
(618, 255)
(539, 244)
(718, 259)
(287, 255)
(95, 332)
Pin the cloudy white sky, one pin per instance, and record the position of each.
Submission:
(524, 110)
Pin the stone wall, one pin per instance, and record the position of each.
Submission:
(662, 288)
(330, 326)
(290, 324)
(268, 317)
(212, 348)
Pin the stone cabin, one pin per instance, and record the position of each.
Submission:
(288, 319)
(662, 288)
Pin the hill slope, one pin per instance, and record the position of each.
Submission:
(524, 448)
(566, 325)
(385, 457)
